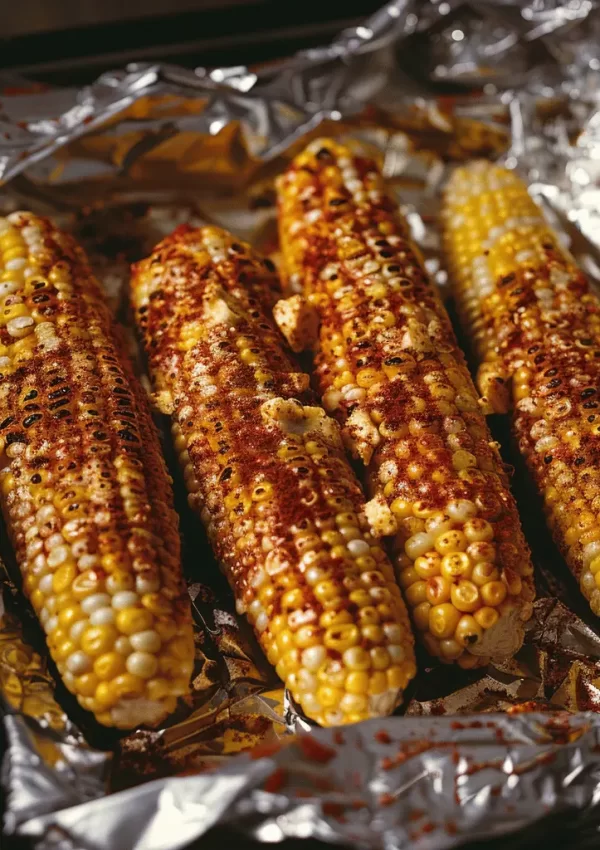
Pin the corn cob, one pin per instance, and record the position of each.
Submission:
(388, 366)
(84, 489)
(266, 470)
(536, 325)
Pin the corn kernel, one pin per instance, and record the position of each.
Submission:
(486, 617)
(416, 593)
(357, 682)
(465, 596)
(428, 565)
(86, 685)
(132, 620)
(109, 666)
(420, 616)
(468, 631)
(341, 638)
(378, 683)
(329, 697)
(127, 686)
(451, 541)
(493, 593)
(97, 640)
(443, 620)
(356, 658)
(456, 565)
(483, 573)
(438, 590)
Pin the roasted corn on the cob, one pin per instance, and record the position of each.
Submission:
(265, 469)
(536, 325)
(389, 368)
(84, 489)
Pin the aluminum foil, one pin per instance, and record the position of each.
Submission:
(120, 163)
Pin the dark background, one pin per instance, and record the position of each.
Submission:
(72, 41)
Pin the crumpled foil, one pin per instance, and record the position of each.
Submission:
(477, 755)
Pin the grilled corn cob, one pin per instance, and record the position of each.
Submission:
(388, 367)
(265, 469)
(83, 487)
(536, 325)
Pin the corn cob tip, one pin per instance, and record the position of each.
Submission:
(389, 369)
(535, 321)
(265, 469)
(83, 486)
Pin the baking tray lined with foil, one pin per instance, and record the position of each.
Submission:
(123, 162)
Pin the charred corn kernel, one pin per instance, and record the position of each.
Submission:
(438, 590)
(535, 323)
(385, 357)
(429, 565)
(320, 595)
(468, 631)
(92, 489)
(455, 566)
(450, 542)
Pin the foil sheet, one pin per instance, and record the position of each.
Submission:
(120, 163)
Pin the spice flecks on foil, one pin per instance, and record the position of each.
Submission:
(388, 785)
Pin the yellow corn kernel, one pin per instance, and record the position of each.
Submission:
(396, 677)
(377, 683)
(341, 638)
(493, 593)
(483, 573)
(127, 686)
(157, 605)
(334, 618)
(486, 617)
(86, 685)
(443, 620)
(129, 621)
(109, 666)
(96, 640)
(64, 577)
(465, 596)
(428, 565)
(451, 541)
(356, 658)
(456, 565)
(357, 682)
(416, 593)
(420, 616)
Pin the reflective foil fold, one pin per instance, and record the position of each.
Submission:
(120, 163)
(387, 785)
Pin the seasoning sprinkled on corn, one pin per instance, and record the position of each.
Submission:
(389, 368)
(266, 470)
(536, 326)
(84, 489)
